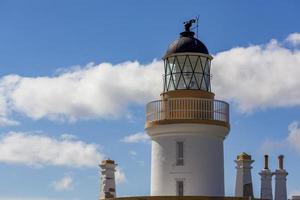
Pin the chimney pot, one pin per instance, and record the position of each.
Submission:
(280, 160)
(266, 162)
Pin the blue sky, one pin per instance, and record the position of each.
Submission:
(76, 75)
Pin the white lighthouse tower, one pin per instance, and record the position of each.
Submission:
(187, 125)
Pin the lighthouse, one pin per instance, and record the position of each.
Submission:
(187, 125)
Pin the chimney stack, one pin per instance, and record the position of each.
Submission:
(280, 162)
(280, 180)
(266, 162)
(266, 181)
(108, 184)
(243, 186)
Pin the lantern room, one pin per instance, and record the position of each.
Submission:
(187, 63)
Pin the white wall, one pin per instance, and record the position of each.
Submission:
(203, 170)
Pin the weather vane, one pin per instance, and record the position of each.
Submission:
(188, 25)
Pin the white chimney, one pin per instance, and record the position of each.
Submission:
(243, 186)
(266, 181)
(108, 184)
(280, 181)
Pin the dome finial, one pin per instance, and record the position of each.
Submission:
(188, 25)
(187, 28)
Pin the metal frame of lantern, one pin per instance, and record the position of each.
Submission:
(187, 71)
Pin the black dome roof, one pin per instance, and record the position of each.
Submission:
(186, 43)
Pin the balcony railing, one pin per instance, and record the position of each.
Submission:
(188, 109)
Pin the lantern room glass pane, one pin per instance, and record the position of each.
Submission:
(168, 66)
(197, 65)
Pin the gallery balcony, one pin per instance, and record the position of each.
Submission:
(187, 110)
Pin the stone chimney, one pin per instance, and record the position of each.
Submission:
(243, 185)
(280, 180)
(266, 181)
(108, 183)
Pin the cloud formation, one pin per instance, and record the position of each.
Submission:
(258, 76)
(94, 91)
(294, 39)
(64, 184)
(40, 150)
(132, 153)
(8, 122)
(136, 138)
(254, 77)
(291, 141)
(294, 136)
(120, 176)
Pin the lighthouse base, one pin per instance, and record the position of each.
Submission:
(196, 171)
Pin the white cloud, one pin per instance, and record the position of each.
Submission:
(120, 176)
(294, 39)
(95, 91)
(68, 137)
(258, 76)
(40, 150)
(294, 136)
(269, 146)
(64, 184)
(136, 138)
(132, 153)
(253, 77)
(5, 89)
(8, 122)
(292, 140)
